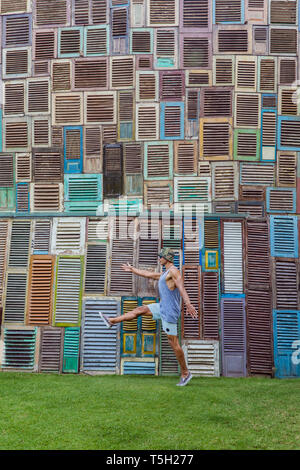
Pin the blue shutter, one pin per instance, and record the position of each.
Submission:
(71, 350)
(286, 325)
(100, 345)
(284, 236)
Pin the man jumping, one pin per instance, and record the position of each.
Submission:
(170, 288)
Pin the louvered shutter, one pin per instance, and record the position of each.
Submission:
(122, 252)
(3, 253)
(286, 284)
(192, 111)
(202, 357)
(147, 86)
(92, 162)
(257, 252)
(192, 241)
(41, 236)
(68, 236)
(71, 350)
(50, 358)
(216, 139)
(257, 174)
(185, 158)
(286, 169)
(233, 40)
(41, 132)
(246, 73)
(122, 72)
(19, 244)
(70, 42)
(19, 348)
(17, 30)
(194, 14)
(224, 181)
(14, 98)
(286, 327)
(216, 102)
(210, 305)
(100, 346)
(247, 110)
(112, 170)
(162, 12)
(67, 306)
(7, 171)
(125, 106)
(172, 233)
(158, 162)
(96, 40)
(281, 200)
(47, 165)
(73, 149)
(44, 44)
(12, 6)
(61, 76)
(57, 136)
(284, 236)
(286, 102)
(147, 121)
(247, 142)
(172, 120)
(110, 134)
(168, 364)
(223, 70)
(16, 135)
(15, 298)
(158, 194)
(141, 41)
(268, 137)
(148, 248)
(267, 74)
(283, 12)
(232, 251)
(22, 197)
(50, 12)
(283, 40)
(129, 328)
(100, 108)
(228, 11)
(287, 70)
(16, 63)
(83, 193)
(90, 74)
(23, 167)
(40, 290)
(165, 48)
(46, 197)
(233, 321)
(172, 86)
(67, 109)
(95, 269)
(38, 96)
(259, 332)
(196, 51)
(191, 327)
(289, 133)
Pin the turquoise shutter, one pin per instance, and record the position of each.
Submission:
(71, 350)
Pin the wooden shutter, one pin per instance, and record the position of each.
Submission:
(67, 109)
(13, 6)
(50, 12)
(247, 141)
(93, 150)
(286, 326)
(281, 200)
(224, 181)
(141, 41)
(23, 167)
(216, 102)
(289, 133)
(157, 162)
(185, 158)
(38, 96)
(147, 122)
(19, 348)
(282, 12)
(259, 332)
(210, 305)
(95, 270)
(147, 86)
(172, 116)
(283, 41)
(119, 22)
(71, 350)
(232, 253)
(50, 358)
(90, 74)
(267, 74)
(171, 86)
(233, 40)
(41, 133)
(41, 236)
(70, 42)
(83, 193)
(162, 12)
(67, 308)
(202, 357)
(7, 171)
(47, 165)
(211, 233)
(223, 70)
(158, 194)
(286, 169)
(165, 45)
(96, 41)
(14, 98)
(284, 236)
(19, 244)
(123, 251)
(40, 290)
(22, 197)
(195, 14)
(247, 110)
(61, 76)
(287, 71)
(112, 170)
(216, 139)
(17, 30)
(98, 12)
(286, 293)
(17, 134)
(171, 233)
(122, 75)
(16, 63)
(15, 298)
(3, 254)
(228, 11)
(257, 174)
(44, 45)
(191, 328)
(196, 52)
(245, 73)
(46, 197)
(233, 320)
(100, 107)
(68, 236)
(191, 241)
(257, 251)
(57, 136)
(100, 346)
(168, 364)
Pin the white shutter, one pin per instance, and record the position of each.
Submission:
(67, 308)
(202, 357)
(233, 257)
(68, 235)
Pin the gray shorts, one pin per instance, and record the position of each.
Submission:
(169, 328)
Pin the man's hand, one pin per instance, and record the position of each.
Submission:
(126, 267)
(190, 309)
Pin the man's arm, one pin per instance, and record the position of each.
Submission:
(176, 276)
(141, 272)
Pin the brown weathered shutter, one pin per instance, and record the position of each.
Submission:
(40, 290)
(3, 253)
(191, 279)
(210, 305)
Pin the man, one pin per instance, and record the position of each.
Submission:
(170, 288)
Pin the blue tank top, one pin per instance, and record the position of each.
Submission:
(169, 300)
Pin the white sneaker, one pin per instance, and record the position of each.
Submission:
(184, 380)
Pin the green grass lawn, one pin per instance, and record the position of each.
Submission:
(79, 412)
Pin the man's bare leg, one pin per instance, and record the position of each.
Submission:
(143, 310)
(174, 343)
